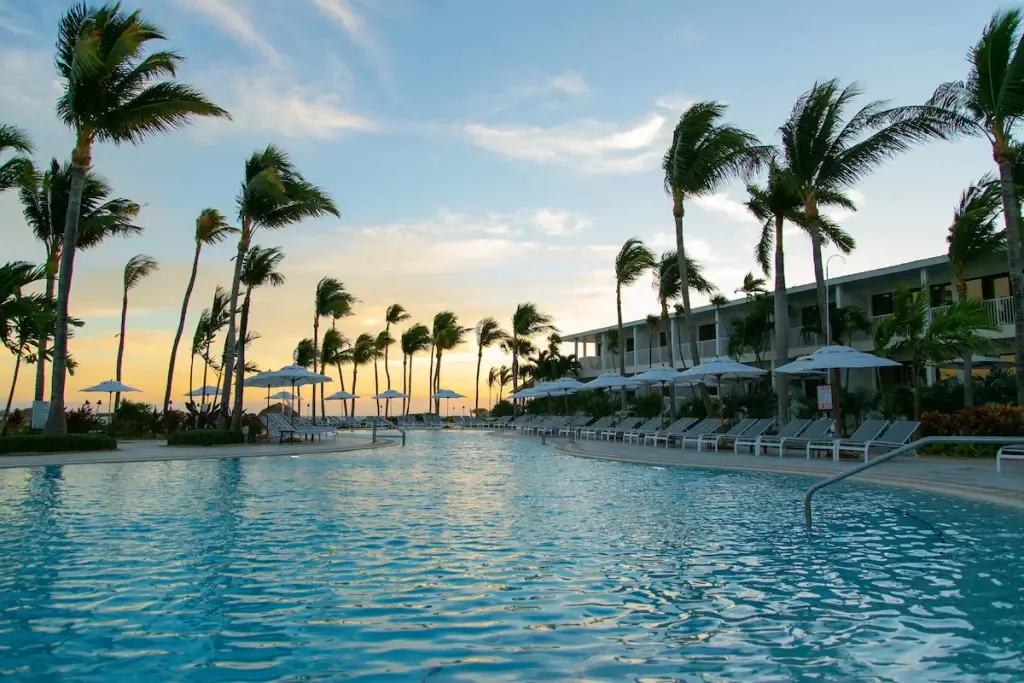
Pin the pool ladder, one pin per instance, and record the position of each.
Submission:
(388, 422)
(926, 441)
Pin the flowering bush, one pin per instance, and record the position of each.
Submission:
(983, 421)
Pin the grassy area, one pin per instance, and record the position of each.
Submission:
(72, 443)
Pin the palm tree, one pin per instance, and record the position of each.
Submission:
(752, 286)
(260, 268)
(113, 92)
(343, 308)
(413, 341)
(274, 195)
(504, 377)
(488, 333)
(380, 350)
(974, 238)
(335, 350)
(363, 352)
(718, 301)
(705, 154)
(527, 322)
(21, 316)
(13, 139)
(653, 327)
(989, 104)
(447, 334)
(908, 332)
(44, 202)
(394, 315)
(138, 267)
(330, 297)
(633, 260)
(668, 285)
(304, 357)
(199, 343)
(217, 320)
(211, 228)
(492, 381)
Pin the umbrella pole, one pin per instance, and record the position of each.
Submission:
(721, 405)
(835, 400)
(110, 419)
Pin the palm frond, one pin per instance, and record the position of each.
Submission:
(137, 268)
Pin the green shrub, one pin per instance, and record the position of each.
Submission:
(980, 421)
(501, 409)
(204, 437)
(36, 443)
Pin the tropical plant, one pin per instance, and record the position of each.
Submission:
(211, 228)
(488, 333)
(44, 202)
(492, 381)
(989, 104)
(112, 92)
(973, 238)
(394, 315)
(216, 320)
(527, 322)
(138, 267)
(305, 357)
(718, 301)
(653, 327)
(23, 318)
(704, 155)
(198, 346)
(330, 297)
(381, 343)
(363, 351)
(335, 351)
(274, 195)
(413, 341)
(447, 334)
(752, 286)
(633, 260)
(922, 336)
(14, 141)
(504, 377)
(260, 268)
(754, 330)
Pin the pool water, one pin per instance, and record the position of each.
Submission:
(466, 557)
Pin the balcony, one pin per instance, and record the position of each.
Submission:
(1000, 309)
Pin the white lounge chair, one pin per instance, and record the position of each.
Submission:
(613, 433)
(675, 429)
(753, 442)
(736, 430)
(592, 431)
(898, 434)
(652, 425)
(868, 431)
(1009, 452)
(694, 435)
(759, 427)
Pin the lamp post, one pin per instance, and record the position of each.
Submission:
(828, 308)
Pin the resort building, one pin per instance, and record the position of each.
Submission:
(870, 291)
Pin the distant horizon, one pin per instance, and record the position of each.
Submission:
(472, 174)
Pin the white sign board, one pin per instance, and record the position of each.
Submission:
(825, 397)
(40, 411)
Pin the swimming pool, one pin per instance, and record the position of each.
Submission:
(465, 557)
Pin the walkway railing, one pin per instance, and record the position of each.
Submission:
(392, 425)
(927, 441)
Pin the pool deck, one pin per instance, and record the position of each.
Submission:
(140, 451)
(976, 479)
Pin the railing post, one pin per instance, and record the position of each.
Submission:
(373, 432)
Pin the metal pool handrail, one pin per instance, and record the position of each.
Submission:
(393, 426)
(926, 441)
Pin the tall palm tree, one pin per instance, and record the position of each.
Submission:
(44, 201)
(633, 260)
(488, 333)
(989, 104)
(527, 322)
(343, 308)
(910, 333)
(260, 268)
(504, 377)
(329, 298)
(704, 155)
(304, 357)
(274, 195)
(380, 350)
(492, 381)
(653, 327)
(668, 284)
(112, 92)
(413, 341)
(447, 333)
(335, 351)
(394, 315)
(363, 351)
(211, 228)
(13, 140)
(138, 267)
(973, 238)
(217, 321)
(199, 343)
(21, 316)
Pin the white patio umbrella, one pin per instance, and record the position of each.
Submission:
(447, 395)
(265, 380)
(387, 396)
(340, 396)
(989, 362)
(204, 391)
(720, 367)
(110, 387)
(610, 381)
(293, 376)
(563, 387)
(283, 396)
(661, 375)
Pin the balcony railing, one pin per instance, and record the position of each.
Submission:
(1000, 309)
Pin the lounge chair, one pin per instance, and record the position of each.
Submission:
(708, 426)
(898, 434)
(575, 425)
(553, 426)
(868, 431)
(536, 424)
(636, 435)
(733, 432)
(752, 432)
(280, 425)
(523, 421)
(613, 433)
(1013, 451)
(753, 442)
(675, 429)
(592, 431)
(652, 425)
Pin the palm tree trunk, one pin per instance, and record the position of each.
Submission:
(81, 159)
(341, 383)
(14, 383)
(665, 324)
(781, 315)
(387, 371)
(811, 211)
(323, 405)
(515, 374)
(206, 370)
(622, 339)
(235, 412)
(181, 326)
(688, 329)
(437, 383)
(430, 376)
(191, 373)
(51, 282)
(243, 330)
(376, 385)
(355, 373)
(404, 378)
(408, 405)
(1011, 214)
(961, 293)
(316, 354)
(916, 381)
(476, 390)
(120, 347)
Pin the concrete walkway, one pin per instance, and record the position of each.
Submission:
(965, 477)
(139, 451)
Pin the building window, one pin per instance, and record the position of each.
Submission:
(809, 317)
(662, 339)
(881, 304)
(989, 287)
(706, 332)
(629, 344)
(598, 350)
(941, 295)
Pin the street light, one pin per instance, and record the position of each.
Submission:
(828, 312)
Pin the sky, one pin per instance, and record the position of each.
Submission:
(482, 154)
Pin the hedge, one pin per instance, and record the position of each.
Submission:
(204, 437)
(979, 421)
(37, 443)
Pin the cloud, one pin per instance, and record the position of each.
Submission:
(231, 19)
(567, 84)
(838, 214)
(343, 13)
(589, 146)
(491, 225)
(14, 22)
(725, 205)
(558, 223)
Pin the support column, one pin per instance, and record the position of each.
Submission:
(672, 339)
(718, 333)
